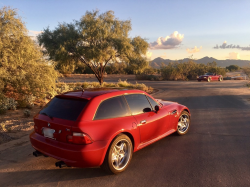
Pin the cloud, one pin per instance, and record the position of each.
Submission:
(225, 46)
(149, 54)
(169, 42)
(231, 46)
(194, 50)
(246, 48)
(34, 33)
(233, 56)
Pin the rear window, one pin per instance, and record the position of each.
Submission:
(64, 108)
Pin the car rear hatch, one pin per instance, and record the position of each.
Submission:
(56, 119)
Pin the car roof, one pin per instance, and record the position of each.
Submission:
(93, 92)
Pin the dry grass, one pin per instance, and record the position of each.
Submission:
(65, 87)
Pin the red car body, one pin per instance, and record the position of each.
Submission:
(210, 77)
(102, 132)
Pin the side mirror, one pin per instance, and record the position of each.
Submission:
(147, 110)
(157, 108)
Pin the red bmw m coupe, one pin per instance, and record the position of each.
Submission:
(104, 127)
(210, 77)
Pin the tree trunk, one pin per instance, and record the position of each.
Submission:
(99, 74)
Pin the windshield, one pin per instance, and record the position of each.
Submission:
(64, 108)
(209, 74)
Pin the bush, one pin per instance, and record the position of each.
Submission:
(21, 57)
(188, 70)
(27, 101)
(246, 70)
(3, 106)
(7, 104)
(65, 87)
(26, 113)
(12, 104)
(233, 67)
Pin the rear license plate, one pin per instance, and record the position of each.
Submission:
(48, 133)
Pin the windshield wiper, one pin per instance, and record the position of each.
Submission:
(44, 113)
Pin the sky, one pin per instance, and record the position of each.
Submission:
(174, 29)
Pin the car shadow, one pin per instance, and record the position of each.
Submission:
(36, 177)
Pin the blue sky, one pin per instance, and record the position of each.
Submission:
(190, 27)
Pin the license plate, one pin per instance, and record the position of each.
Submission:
(48, 133)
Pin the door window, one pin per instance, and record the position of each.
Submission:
(153, 103)
(112, 108)
(138, 103)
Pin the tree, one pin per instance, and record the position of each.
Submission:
(23, 70)
(233, 67)
(95, 40)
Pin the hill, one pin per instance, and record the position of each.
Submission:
(156, 63)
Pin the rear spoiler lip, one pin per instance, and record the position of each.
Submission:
(72, 97)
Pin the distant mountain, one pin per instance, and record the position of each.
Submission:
(156, 63)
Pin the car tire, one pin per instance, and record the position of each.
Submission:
(220, 79)
(118, 155)
(208, 79)
(183, 124)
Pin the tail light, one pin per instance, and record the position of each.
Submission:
(36, 129)
(79, 138)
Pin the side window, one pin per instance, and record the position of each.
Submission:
(112, 108)
(138, 103)
(153, 103)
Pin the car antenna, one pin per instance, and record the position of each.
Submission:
(82, 91)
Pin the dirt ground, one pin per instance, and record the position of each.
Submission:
(14, 125)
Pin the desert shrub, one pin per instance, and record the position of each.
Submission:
(77, 88)
(26, 113)
(233, 67)
(95, 85)
(3, 105)
(85, 85)
(23, 69)
(27, 101)
(105, 84)
(188, 70)
(246, 70)
(123, 83)
(7, 104)
(65, 87)
(12, 104)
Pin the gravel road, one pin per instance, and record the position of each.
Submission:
(215, 152)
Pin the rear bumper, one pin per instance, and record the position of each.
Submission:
(90, 155)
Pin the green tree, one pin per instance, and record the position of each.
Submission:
(95, 40)
(233, 67)
(23, 69)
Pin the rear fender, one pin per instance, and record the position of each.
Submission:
(134, 142)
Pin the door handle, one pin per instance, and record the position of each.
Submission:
(172, 113)
(143, 121)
